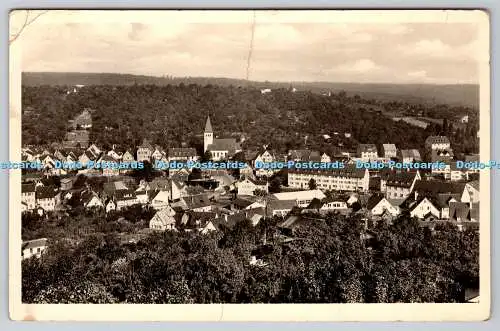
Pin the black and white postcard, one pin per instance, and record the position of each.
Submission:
(249, 165)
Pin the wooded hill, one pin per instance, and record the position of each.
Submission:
(463, 94)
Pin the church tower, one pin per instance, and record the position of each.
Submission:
(208, 137)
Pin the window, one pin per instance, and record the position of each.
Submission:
(31, 250)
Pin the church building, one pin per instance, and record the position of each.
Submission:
(220, 149)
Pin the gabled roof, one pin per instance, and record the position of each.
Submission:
(89, 155)
(242, 202)
(159, 184)
(112, 187)
(107, 158)
(443, 199)
(435, 186)
(146, 144)
(437, 140)
(261, 151)
(374, 200)
(389, 147)
(87, 196)
(367, 148)
(281, 204)
(255, 181)
(27, 188)
(460, 210)
(125, 195)
(410, 153)
(304, 155)
(130, 155)
(225, 144)
(42, 242)
(165, 216)
(417, 202)
(191, 217)
(474, 184)
(226, 179)
(197, 201)
(400, 178)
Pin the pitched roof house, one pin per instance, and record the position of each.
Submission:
(389, 150)
(163, 220)
(279, 207)
(410, 155)
(367, 151)
(398, 184)
(144, 151)
(248, 186)
(378, 204)
(33, 248)
(160, 199)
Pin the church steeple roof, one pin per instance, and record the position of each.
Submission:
(208, 125)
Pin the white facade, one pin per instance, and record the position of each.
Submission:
(29, 199)
(303, 198)
(470, 194)
(325, 158)
(160, 201)
(94, 202)
(33, 248)
(384, 205)
(248, 187)
(423, 208)
(219, 155)
(111, 205)
(326, 180)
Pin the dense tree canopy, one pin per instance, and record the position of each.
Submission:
(327, 262)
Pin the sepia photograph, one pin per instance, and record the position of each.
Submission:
(309, 164)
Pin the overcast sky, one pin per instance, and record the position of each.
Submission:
(357, 51)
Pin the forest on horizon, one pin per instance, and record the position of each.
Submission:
(458, 95)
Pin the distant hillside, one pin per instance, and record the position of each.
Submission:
(464, 95)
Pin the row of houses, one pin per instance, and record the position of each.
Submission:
(38, 197)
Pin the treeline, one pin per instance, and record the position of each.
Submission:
(174, 115)
(428, 94)
(328, 262)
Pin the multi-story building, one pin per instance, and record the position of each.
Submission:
(182, 154)
(389, 151)
(349, 178)
(437, 142)
(46, 198)
(28, 196)
(398, 184)
(367, 152)
(145, 151)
